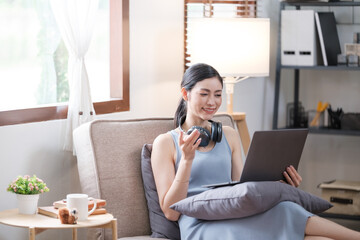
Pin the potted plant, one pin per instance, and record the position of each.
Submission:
(27, 190)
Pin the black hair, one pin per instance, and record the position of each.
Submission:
(193, 75)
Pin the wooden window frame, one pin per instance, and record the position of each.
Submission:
(119, 32)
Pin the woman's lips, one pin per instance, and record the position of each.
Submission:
(209, 110)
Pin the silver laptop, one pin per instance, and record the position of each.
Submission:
(269, 154)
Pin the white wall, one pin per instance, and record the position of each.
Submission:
(156, 67)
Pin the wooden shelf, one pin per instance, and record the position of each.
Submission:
(341, 216)
(322, 68)
(331, 131)
(320, 4)
(334, 131)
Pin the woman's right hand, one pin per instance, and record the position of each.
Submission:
(188, 144)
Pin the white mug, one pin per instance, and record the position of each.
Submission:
(80, 202)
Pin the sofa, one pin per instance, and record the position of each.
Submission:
(109, 165)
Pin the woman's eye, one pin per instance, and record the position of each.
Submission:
(203, 94)
(218, 95)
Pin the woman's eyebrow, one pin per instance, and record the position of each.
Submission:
(207, 90)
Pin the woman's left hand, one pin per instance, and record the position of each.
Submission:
(292, 176)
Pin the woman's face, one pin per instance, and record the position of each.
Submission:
(205, 98)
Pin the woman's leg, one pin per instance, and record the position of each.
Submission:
(317, 226)
(316, 238)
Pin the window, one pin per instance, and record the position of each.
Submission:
(214, 8)
(33, 60)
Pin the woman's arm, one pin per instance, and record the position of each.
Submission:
(233, 139)
(172, 187)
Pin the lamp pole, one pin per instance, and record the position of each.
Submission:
(229, 89)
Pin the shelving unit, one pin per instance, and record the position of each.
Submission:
(297, 69)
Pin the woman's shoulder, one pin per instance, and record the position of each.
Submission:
(163, 146)
(229, 131)
(163, 140)
(232, 136)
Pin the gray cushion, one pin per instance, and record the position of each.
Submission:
(161, 227)
(246, 199)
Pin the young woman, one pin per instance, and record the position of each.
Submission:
(181, 165)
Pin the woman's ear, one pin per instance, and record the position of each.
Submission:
(184, 94)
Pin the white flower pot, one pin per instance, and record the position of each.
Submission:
(27, 204)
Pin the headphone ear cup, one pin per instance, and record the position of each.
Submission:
(219, 132)
(214, 131)
(204, 135)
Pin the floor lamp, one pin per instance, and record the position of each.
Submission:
(237, 47)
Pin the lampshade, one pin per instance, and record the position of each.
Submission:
(233, 46)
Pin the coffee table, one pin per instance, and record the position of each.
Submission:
(38, 223)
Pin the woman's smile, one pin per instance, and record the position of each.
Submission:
(210, 110)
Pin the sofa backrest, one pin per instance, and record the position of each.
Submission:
(109, 165)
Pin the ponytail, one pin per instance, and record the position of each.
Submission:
(180, 112)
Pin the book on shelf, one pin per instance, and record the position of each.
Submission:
(53, 212)
(328, 37)
(100, 203)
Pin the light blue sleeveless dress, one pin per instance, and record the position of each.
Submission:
(285, 221)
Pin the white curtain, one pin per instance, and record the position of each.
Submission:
(48, 42)
(76, 19)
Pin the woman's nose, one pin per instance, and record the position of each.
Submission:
(211, 100)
